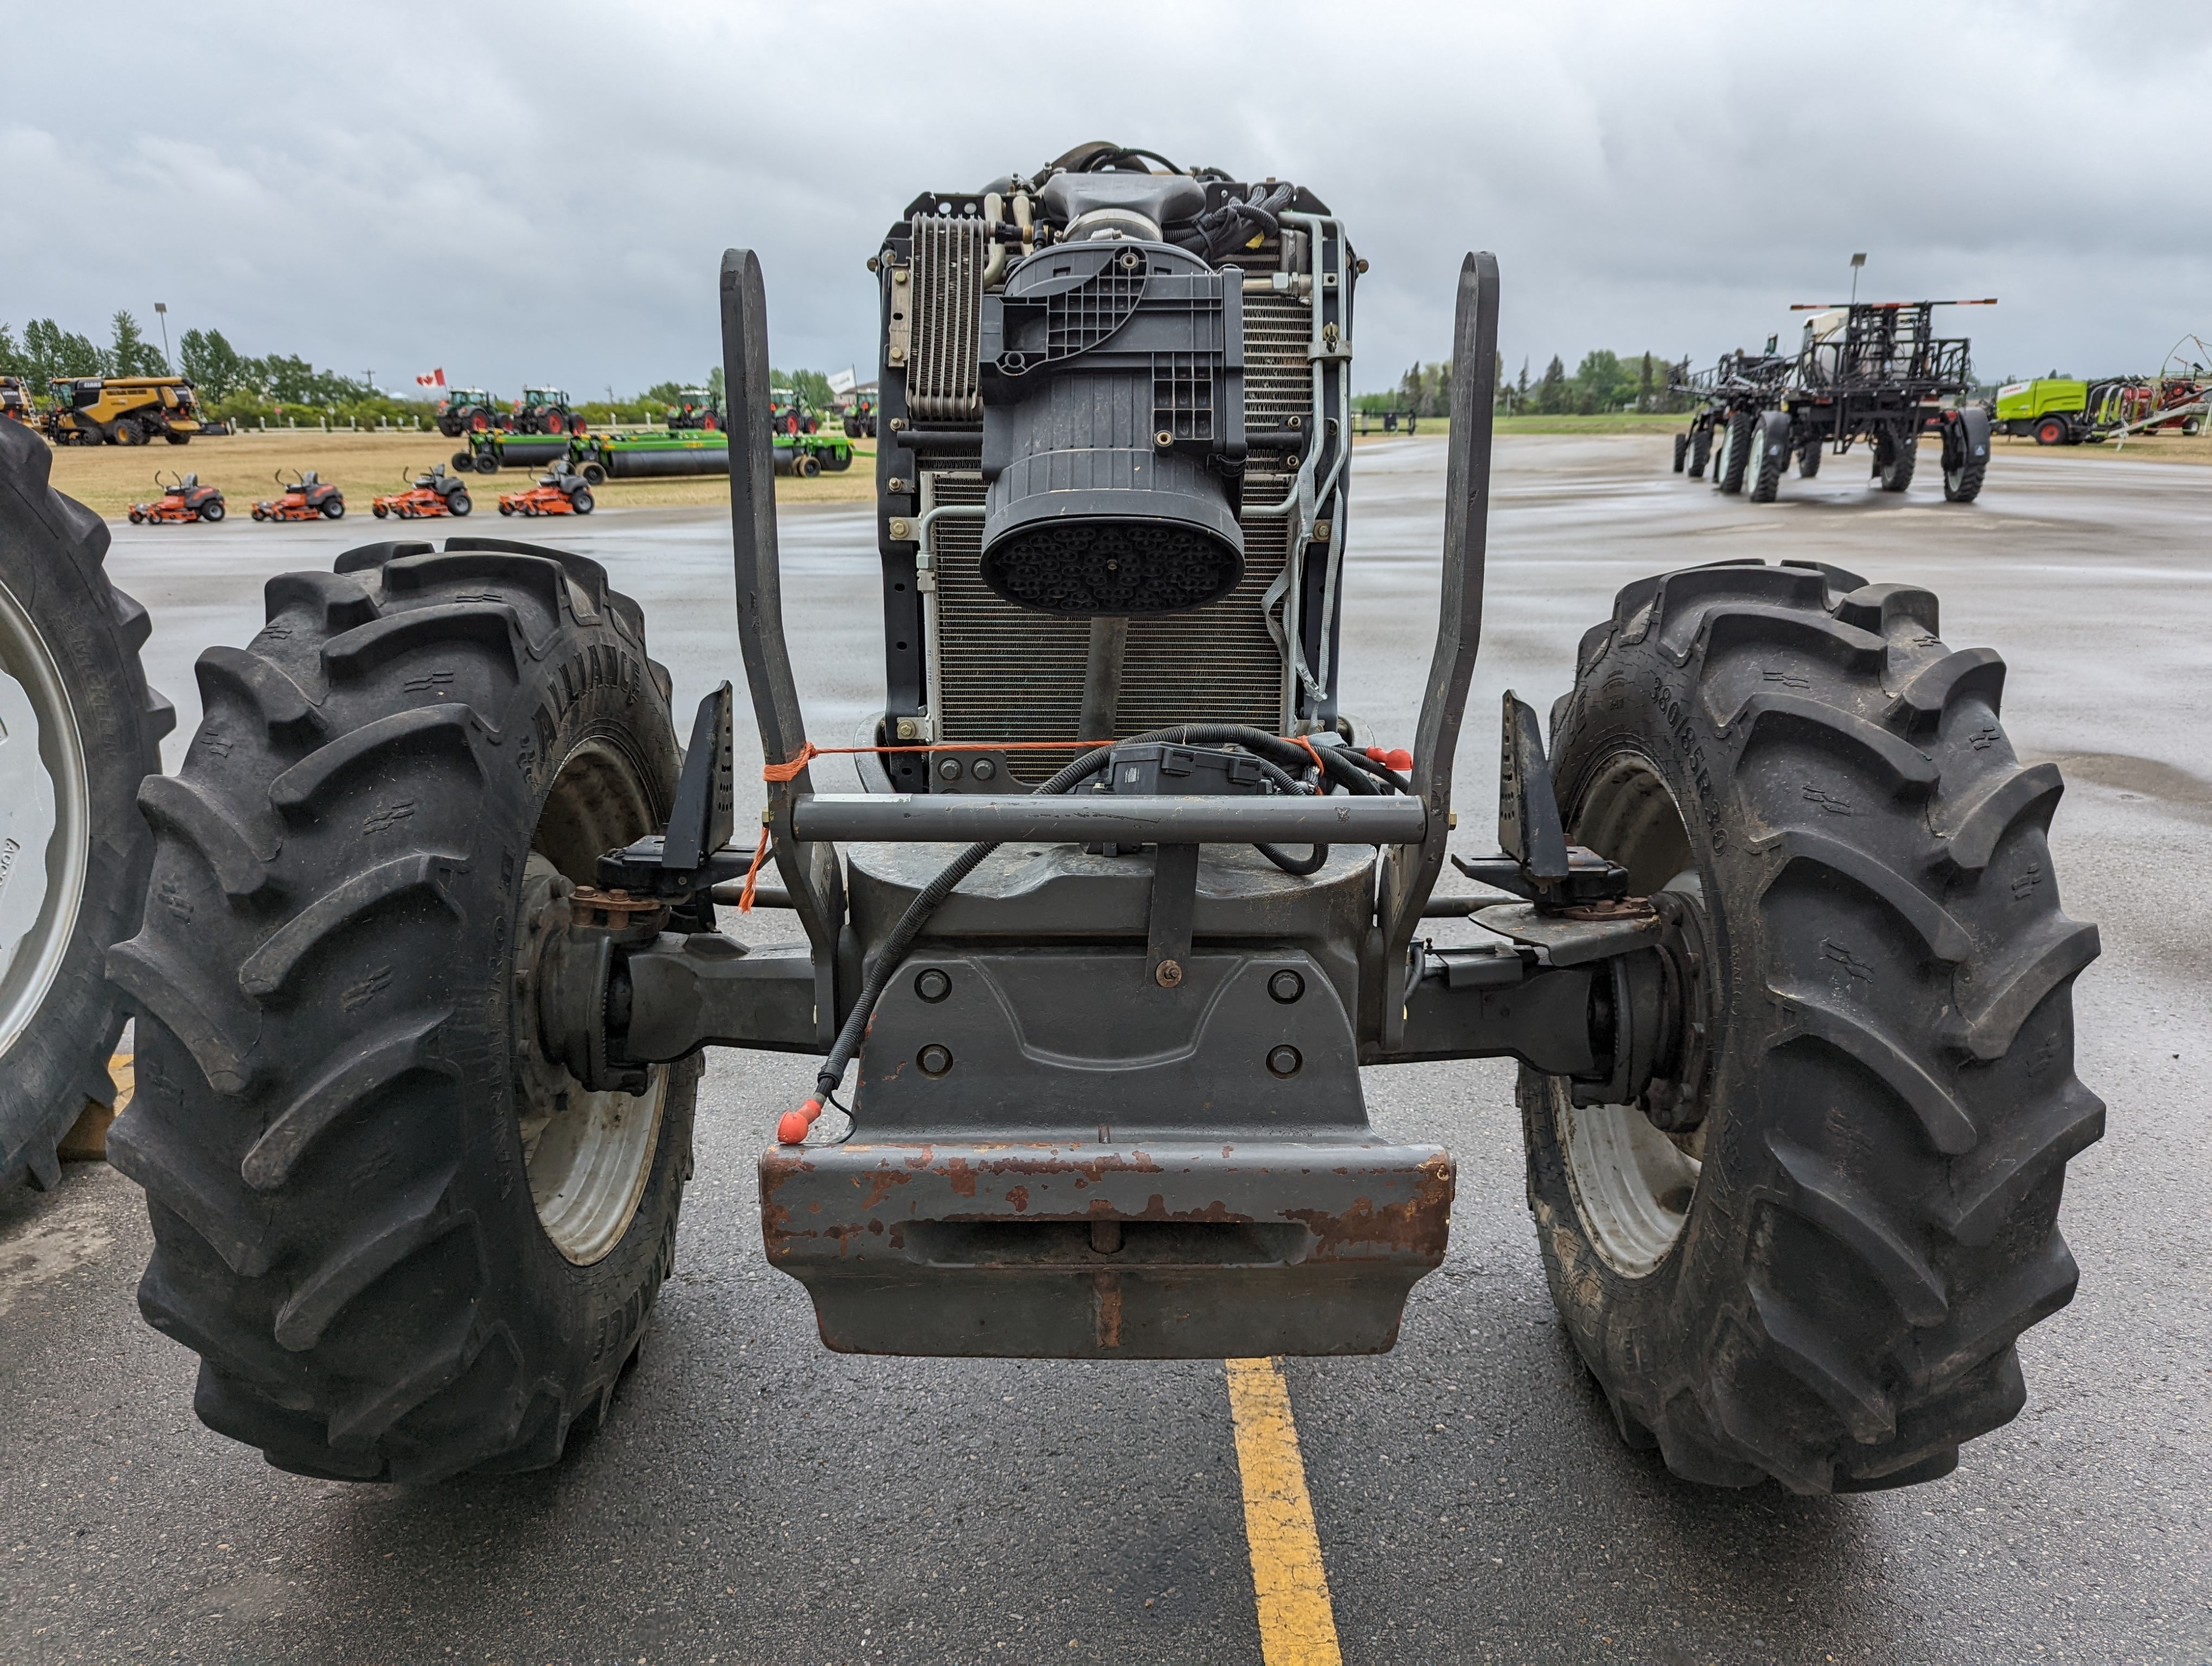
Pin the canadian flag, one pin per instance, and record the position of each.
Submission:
(433, 378)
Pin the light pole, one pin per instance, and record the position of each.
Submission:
(1857, 261)
(161, 312)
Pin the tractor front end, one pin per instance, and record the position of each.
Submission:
(1088, 973)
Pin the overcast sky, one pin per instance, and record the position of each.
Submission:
(543, 191)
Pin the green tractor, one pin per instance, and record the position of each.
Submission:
(470, 410)
(546, 410)
(789, 413)
(696, 409)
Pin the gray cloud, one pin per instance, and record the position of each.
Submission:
(545, 192)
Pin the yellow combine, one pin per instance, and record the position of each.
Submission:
(123, 411)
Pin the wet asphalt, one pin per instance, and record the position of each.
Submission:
(755, 1499)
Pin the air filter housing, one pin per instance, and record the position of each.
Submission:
(1113, 384)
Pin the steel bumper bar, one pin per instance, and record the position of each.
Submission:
(1070, 1250)
(1110, 819)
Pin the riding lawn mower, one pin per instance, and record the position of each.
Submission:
(1092, 966)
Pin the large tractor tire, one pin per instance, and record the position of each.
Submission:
(1896, 453)
(78, 729)
(1701, 448)
(1769, 457)
(1808, 458)
(404, 1242)
(1735, 452)
(1965, 454)
(1820, 1273)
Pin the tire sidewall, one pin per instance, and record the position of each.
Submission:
(576, 1323)
(1657, 1327)
(50, 558)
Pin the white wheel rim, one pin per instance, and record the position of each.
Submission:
(44, 820)
(1632, 1185)
(587, 1155)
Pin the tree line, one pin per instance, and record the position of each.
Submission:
(1603, 383)
(47, 351)
(247, 388)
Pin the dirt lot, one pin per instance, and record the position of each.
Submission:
(112, 477)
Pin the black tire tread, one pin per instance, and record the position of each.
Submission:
(1966, 485)
(320, 1238)
(1930, 1056)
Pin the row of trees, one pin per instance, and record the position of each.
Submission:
(249, 389)
(47, 351)
(231, 383)
(1604, 382)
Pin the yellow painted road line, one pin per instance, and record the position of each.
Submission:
(1298, 1627)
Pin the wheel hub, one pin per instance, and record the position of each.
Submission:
(587, 1154)
(1675, 1100)
(1633, 1167)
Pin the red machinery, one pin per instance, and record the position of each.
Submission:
(562, 492)
(183, 498)
(436, 493)
(306, 497)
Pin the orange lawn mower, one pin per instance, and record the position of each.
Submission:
(183, 498)
(436, 493)
(561, 492)
(306, 497)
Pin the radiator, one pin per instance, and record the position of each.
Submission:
(1002, 673)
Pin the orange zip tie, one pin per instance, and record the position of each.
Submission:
(1320, 769)
(752, 874)
(807, 750)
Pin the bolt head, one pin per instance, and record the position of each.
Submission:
(1287, 986)
(933, 984)
(1284, 1060)
(1168, 974)
(948, 769)
(934, 1060)
(982, 769)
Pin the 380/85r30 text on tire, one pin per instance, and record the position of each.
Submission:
(1822, 1281)
(403, 1244)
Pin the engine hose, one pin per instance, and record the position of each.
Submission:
(791, 1128)
(1380, 771)
(1312, 864)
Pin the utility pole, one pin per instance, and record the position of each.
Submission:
(162, 311)
(1857, 261)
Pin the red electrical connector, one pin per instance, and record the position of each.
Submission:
(1397, 757)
